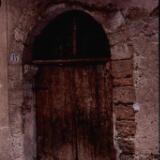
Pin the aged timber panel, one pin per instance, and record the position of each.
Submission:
(74, 113)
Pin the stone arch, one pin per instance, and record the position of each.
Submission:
(93, 43)
(23, 122)
(30, 70)
(21, 75)
(109, 145)
(49, 15)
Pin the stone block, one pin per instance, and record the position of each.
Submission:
(15, 77)
(17, 147)
(16, 97)
(125, 128)
(124, 112)
(147, 156)
(122, 68)
(116, 21)
(136, 13)
(123, 94)
(126, 146)
(19, 35)
(15, 72)
(121, 51)
(13, 84)
(126, 157)
(120, 36)
(123, 82)
(5, 145)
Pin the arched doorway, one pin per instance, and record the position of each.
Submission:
(73, 90)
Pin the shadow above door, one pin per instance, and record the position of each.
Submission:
(72, 35)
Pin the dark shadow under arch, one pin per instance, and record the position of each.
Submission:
(72, 34)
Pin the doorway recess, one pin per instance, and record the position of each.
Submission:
(72, 37)
(73, 90)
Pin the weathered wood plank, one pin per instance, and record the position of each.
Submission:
(69, 61)
(74, 118)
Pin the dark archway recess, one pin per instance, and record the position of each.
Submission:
(73, 102)
(72, 35)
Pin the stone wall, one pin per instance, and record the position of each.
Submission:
(146, 83)
(4, 118)
(132, 29)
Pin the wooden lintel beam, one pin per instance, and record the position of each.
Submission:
(70, 61)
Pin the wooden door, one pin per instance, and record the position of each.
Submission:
(73, 107)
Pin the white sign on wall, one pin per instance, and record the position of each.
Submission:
(14, 58)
